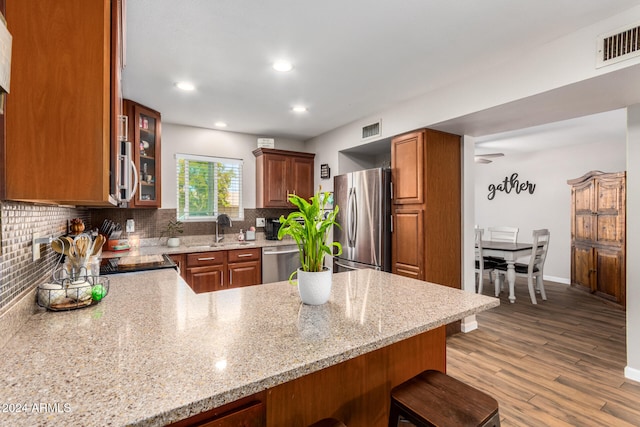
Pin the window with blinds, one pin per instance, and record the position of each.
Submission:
(208, 187)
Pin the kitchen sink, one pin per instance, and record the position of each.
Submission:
(222, 245)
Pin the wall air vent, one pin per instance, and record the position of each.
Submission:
(619, 45)
(371, 130)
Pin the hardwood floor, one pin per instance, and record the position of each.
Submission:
(558, 363)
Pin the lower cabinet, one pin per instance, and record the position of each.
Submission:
(408, 256)
(205, 271)
(245, 267)
(217, 270)
(181, 261)
(599, 270)
(247, 412)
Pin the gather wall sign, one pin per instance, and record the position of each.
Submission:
(511, 183)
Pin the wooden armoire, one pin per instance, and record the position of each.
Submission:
(598, 246)
(427, 206)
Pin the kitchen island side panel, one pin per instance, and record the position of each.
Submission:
(356, 391)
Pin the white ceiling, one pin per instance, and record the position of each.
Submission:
(352, 58)
(610, 126)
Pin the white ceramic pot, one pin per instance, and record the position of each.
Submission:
(314, 286)
(173, 242)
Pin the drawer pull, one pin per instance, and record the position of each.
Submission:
(207, 259)
(244, 255)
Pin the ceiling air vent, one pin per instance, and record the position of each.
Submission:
(371, 130)
(619, 45)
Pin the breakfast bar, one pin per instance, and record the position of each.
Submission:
(154, 353)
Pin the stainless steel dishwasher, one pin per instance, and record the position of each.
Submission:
(278, 262)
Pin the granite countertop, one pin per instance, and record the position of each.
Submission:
(153, 352)
(191, 244)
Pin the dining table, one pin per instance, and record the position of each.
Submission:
(510, 252)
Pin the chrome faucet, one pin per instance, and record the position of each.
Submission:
(223, 220)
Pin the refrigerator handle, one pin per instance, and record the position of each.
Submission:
(354, 220)
(351, 218)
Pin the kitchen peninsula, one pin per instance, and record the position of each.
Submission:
(153, 352)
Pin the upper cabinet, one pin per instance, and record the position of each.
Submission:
(144, 133)
(61, 113)
(280, 173)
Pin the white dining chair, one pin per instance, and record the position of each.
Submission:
(503, 234)
(482, 264)
(535, 267)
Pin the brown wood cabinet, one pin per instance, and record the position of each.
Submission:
(246, 412)
(217, 270)
(598, 228)
(145, 131)
(181, 261)
(205, 271)
(280, 173)
(427, 186)
(245, 267)
(62, 110)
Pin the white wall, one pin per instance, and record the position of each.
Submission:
(632, 369)
(550, 205)
(210, 142)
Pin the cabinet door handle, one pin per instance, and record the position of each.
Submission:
(244, 255)
(221, 279)
(124, 127)
(207, 259)
(230, 277)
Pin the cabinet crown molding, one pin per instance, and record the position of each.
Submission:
(592, 174)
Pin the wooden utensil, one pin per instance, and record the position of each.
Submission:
(58, 246)
(82, 244)
(97, 245)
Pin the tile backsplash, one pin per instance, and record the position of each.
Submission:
(20, 221)
(149, 223)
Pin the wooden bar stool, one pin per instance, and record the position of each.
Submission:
(433, 399)
(328, 422)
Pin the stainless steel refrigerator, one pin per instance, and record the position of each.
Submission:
(364, 199)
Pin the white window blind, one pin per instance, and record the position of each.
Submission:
(208, 187)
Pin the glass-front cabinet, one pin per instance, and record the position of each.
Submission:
(144, 133)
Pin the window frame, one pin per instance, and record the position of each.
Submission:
(184, 216)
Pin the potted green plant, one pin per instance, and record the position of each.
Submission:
(311, 235)
(172, 229)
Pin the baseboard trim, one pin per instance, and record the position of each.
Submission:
(469, 324)
(632, 373)
(563, 280)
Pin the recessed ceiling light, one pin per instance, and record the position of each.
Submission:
(283, 66)
(299, 109)
(185, 86)
(220, 124)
